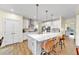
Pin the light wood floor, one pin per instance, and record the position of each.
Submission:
(16, 49)
(69, 49)
(22, 49)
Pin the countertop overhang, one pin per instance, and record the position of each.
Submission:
(41, 37)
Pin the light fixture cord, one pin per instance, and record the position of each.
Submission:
(46, 14)
(37, 11)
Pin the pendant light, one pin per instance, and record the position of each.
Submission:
(51, 16)
(37, 5)
(46, 14)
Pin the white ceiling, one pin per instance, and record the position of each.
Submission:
(29, 10)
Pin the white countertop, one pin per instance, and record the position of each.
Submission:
(35, 40)
(0, 37)
(71, 36)
(41, 37)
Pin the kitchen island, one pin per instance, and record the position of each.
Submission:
(35, 40)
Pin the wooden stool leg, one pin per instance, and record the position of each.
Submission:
(61, 44)
(77, 49)
(64, 45)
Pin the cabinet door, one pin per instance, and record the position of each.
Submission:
(8, 32)
(12, 32)
(1, 27)
(17, 32)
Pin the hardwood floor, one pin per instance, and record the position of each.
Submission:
(16, 49)
(69, 49)
(22, 49)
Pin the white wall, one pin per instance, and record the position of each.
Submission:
(70, 22)
(77, 30)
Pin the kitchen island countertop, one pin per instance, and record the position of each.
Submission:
(35, 40)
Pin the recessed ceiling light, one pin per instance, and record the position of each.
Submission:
(11, 10)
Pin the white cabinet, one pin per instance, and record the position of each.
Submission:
(12, 31)
(0, 27)
(55, 26)
(25, 23)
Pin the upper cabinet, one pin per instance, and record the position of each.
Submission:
(25, 23)
(53, 25)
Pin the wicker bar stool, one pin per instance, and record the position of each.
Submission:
(47, 47)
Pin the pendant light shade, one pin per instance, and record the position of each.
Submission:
(37, 4)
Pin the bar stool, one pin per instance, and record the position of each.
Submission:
(1, 40)
(62, 41)
(47, 47)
